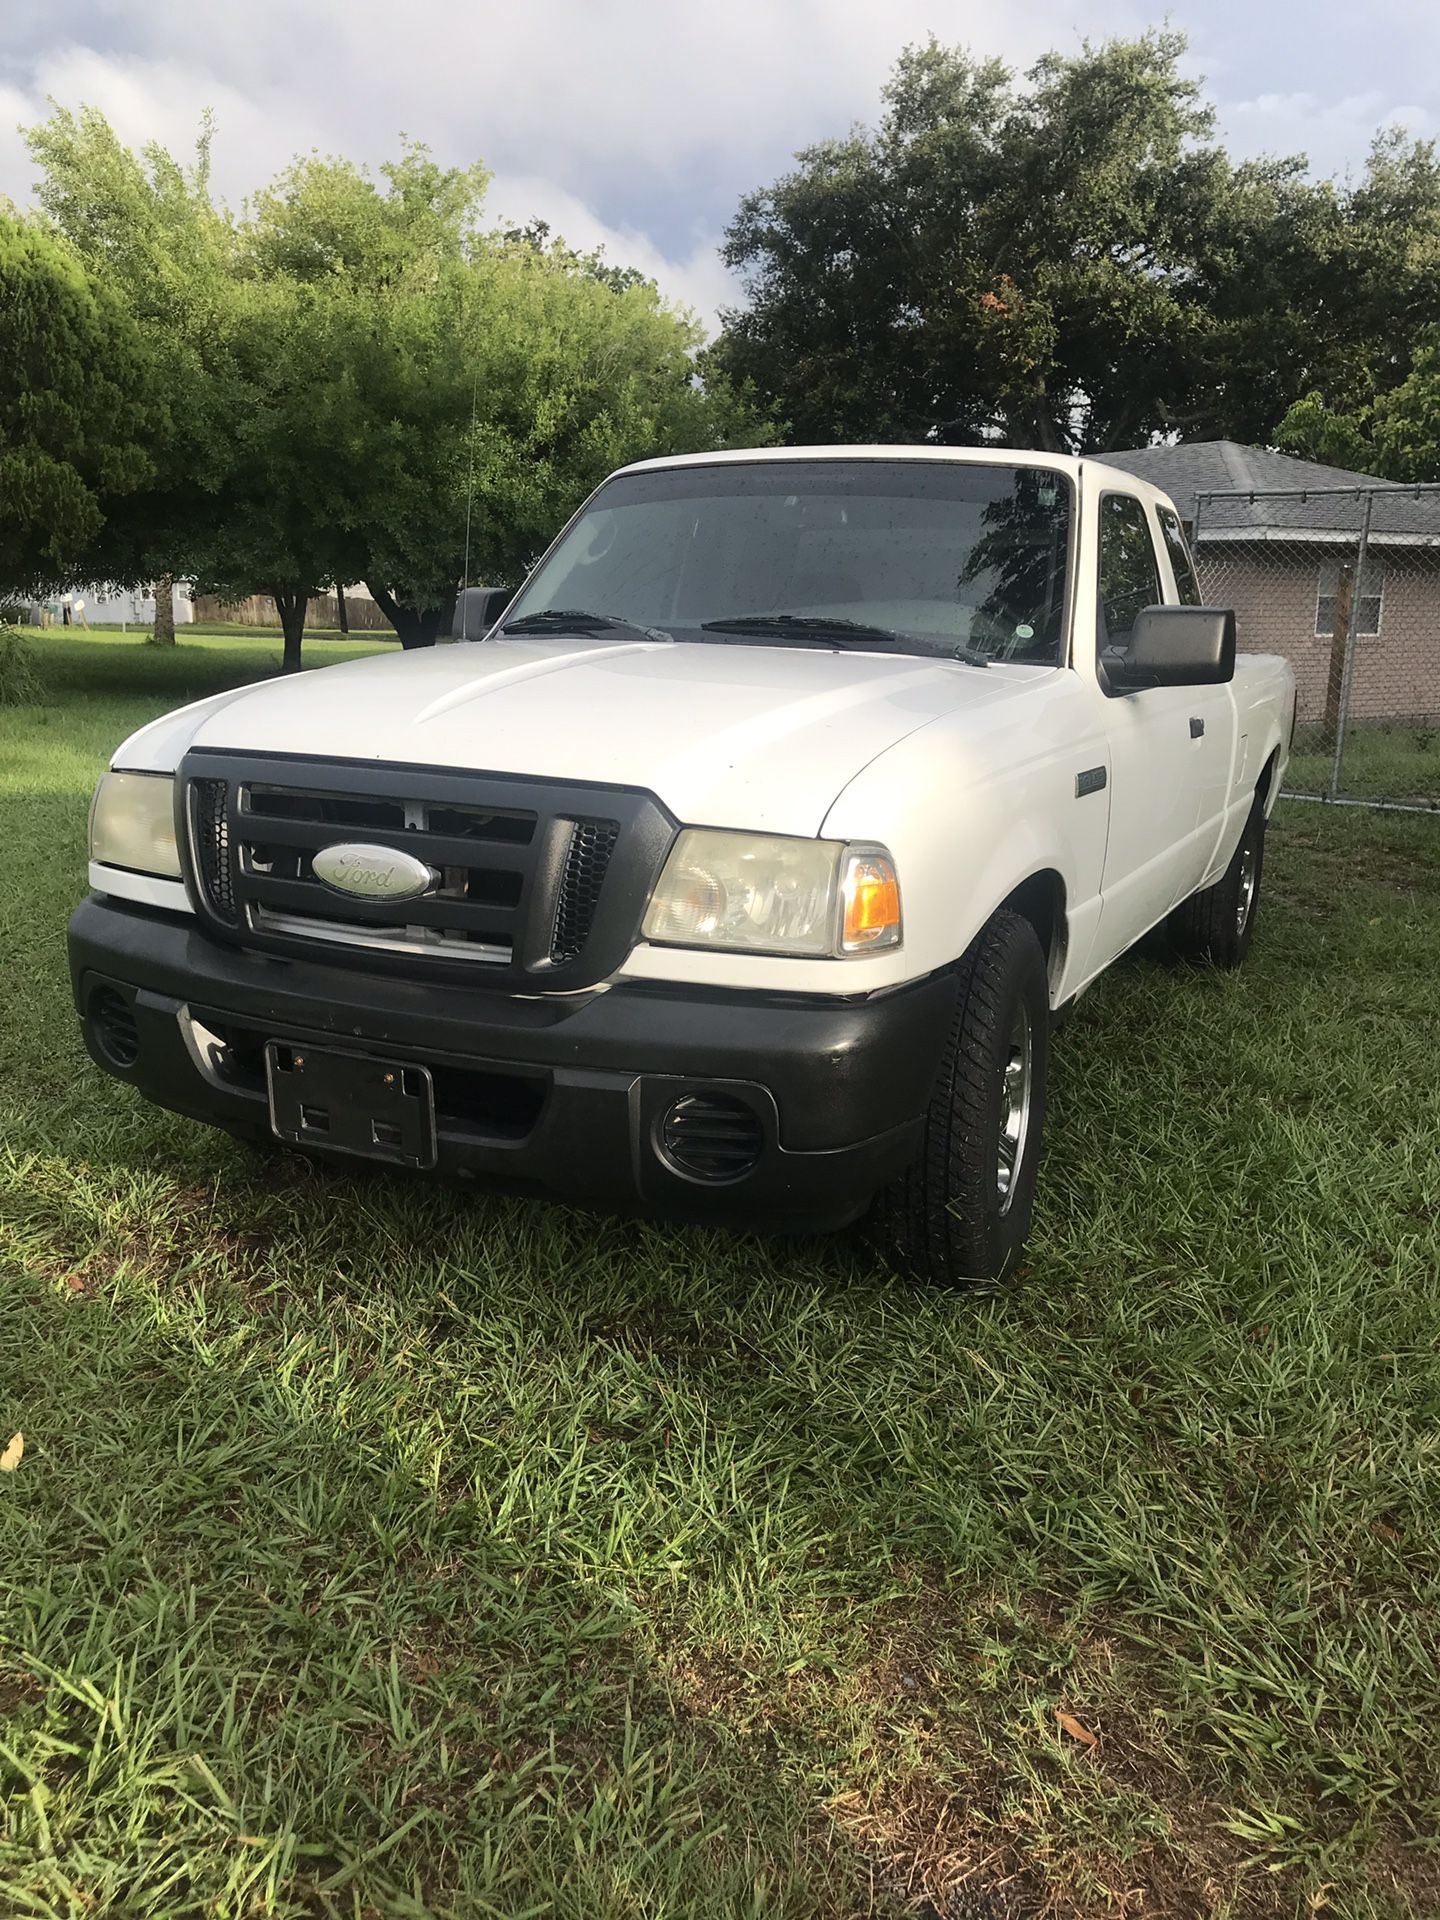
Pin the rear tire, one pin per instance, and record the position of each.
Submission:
(961, 1211)
(1218, 923)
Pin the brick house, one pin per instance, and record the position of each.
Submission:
(1276, 557)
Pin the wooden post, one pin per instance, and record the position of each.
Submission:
(1348, 648)
(1339, 647)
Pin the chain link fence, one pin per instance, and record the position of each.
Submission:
(1345, 583)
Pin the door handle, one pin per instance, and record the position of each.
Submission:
(1197, 727)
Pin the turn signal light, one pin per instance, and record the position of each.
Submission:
(871, 894)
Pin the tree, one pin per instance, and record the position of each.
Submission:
(1396, 435)
(74, 385)
(579, 376)
(284, 353)
(489, 379)
(147, 230)
(365, 384)
(397, 404)
(1072, 264)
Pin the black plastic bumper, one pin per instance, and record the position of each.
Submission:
(566, 1096)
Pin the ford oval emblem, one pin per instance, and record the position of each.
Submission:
(373, 873)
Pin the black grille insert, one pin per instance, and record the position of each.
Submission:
(210, 816)
(532, 880)
(712, 1136)
(591, 844)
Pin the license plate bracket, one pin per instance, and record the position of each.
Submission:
(351, 1103)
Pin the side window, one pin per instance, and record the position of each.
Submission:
(1129, 577)
(1182, 562)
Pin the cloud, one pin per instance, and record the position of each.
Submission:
(695, 279)
(1334, 135)
(635, 124)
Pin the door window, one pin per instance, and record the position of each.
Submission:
(1182, 563)
(1129, 576)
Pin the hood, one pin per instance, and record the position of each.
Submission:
(740, 736)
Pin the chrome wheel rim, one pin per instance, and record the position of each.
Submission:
(1017, 1079)
(1247, 887)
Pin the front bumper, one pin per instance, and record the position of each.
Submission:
(565, 1096)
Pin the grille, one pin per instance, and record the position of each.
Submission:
(712, 1137)
(212, 845)
(527, 881)
(591, 844)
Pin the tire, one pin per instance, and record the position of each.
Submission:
(955, 1214)
(1218, 923)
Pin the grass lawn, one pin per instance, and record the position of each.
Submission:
(382, 1551)
(1380, 763)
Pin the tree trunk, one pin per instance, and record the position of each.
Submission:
(416, 626)
(1048, 437)
(165, 611)
(291, 609)
(343, 610)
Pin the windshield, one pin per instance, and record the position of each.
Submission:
(929, 556)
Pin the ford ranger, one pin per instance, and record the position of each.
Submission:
(735, 869)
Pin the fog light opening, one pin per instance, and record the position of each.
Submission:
(711, 1137)
(112, 1027)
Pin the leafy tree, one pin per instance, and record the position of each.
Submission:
(1071, 264)
(578, 377)
(283, 356)
(490, 379)
(74, 385)
(365, 384)
(146, 228)
(1396, 435)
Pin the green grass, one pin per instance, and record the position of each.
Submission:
(1380, 763)
(379, 1550)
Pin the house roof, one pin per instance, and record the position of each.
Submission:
(1293, 499)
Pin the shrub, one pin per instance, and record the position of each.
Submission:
(20, 683)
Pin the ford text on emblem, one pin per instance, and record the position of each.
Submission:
(373, 873)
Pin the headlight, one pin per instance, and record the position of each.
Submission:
(132, 823)
(761, 893)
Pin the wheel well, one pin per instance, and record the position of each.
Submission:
(1267, 778)
(1041, 901)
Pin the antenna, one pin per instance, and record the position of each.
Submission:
(469, 507)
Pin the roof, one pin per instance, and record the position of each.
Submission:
(1069, 464)
(990, 456)
(1293, 499)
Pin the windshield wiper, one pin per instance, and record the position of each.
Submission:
(825, 631)
(578, 620)
(820, 627)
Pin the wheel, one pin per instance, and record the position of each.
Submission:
(961, 1211)
(1218, 923)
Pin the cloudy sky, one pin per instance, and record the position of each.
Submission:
(637, 124)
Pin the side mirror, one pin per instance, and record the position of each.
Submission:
(477, 609)
(1175, 647)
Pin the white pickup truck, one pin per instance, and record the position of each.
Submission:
(737, 872)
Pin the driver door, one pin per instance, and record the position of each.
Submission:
(1166, 744)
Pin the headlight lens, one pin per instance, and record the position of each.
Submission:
(132, 823)
(764, 893)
